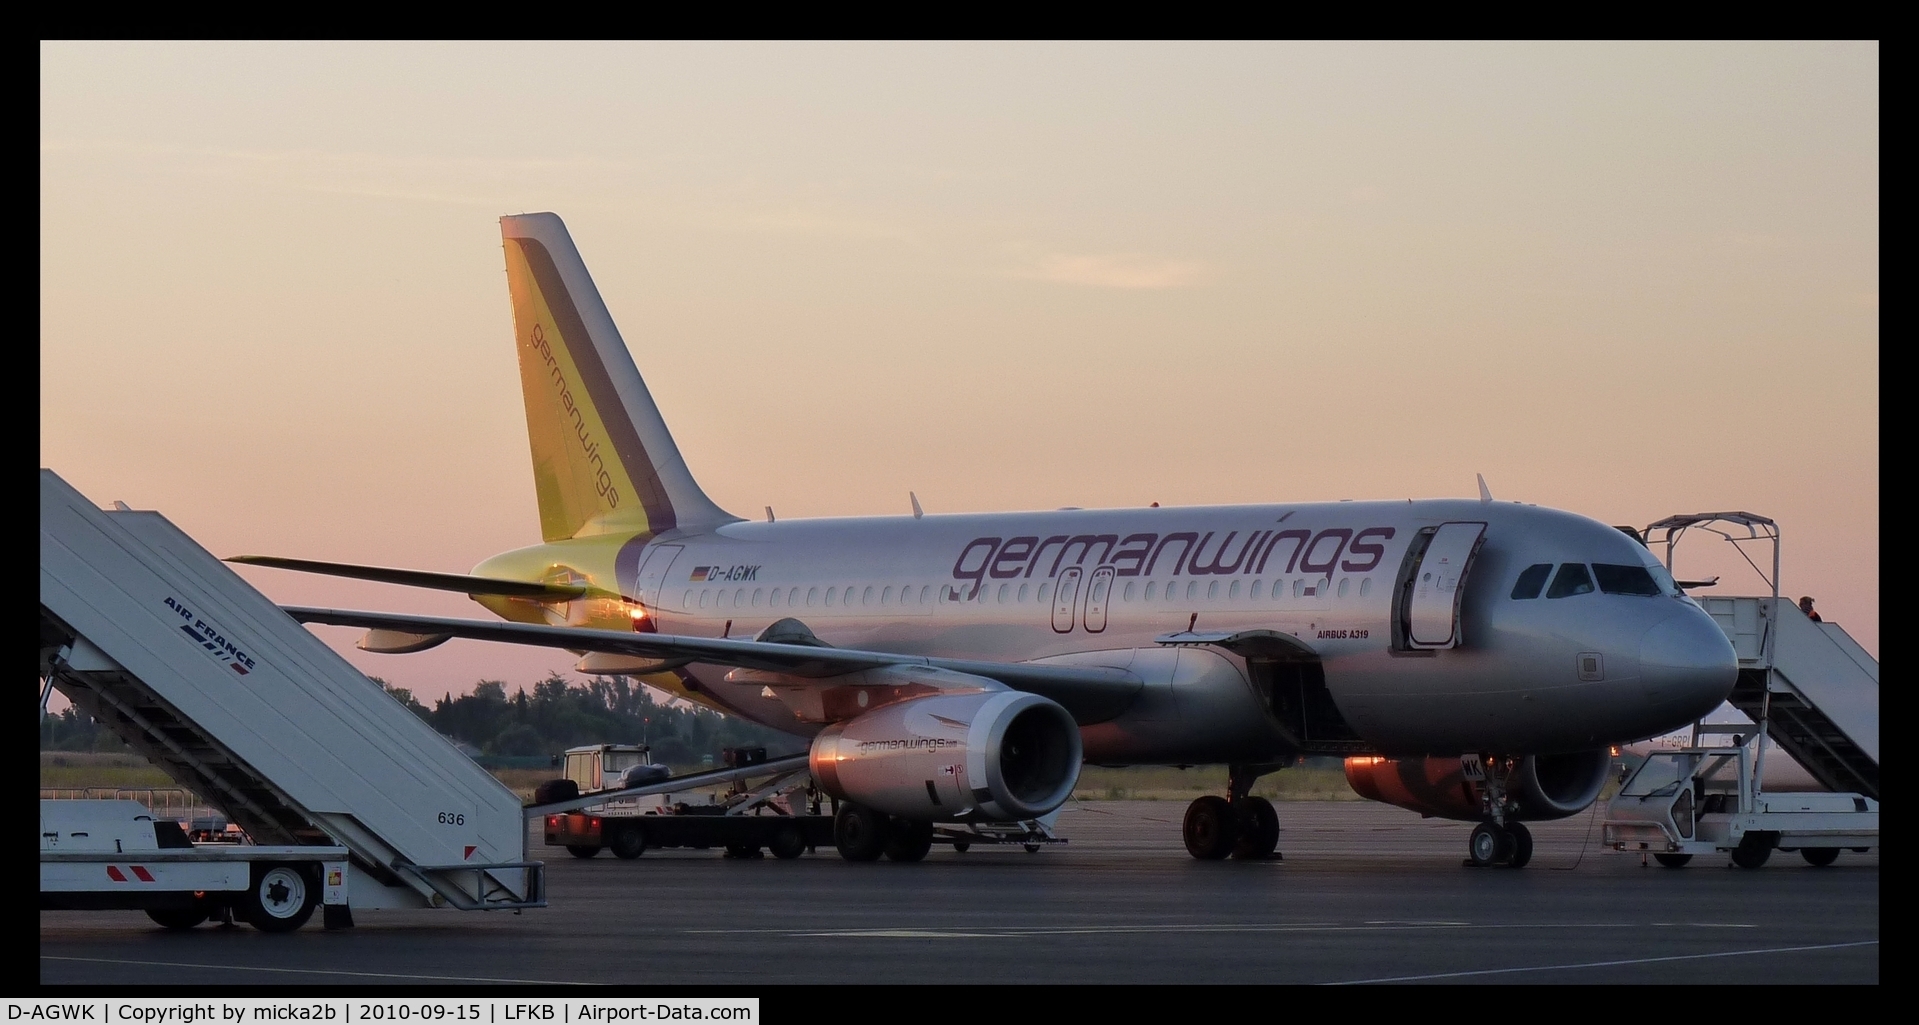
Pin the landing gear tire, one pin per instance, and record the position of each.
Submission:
(1819, 857)
(281, 898)
(179, 919)
(1749, 854)
(787, 843)
(859, 833)
(1521, 844)
(583, 850)
(907, 840)
(629, 843)
(1670, 859)
(1489, 845)
(1209, 829)
(961, 847)
(1258, 827)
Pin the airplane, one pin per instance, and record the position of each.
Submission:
(1471, 659)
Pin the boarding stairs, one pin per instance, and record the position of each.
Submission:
(1813, 691)
(161, 642)
(1814, 686)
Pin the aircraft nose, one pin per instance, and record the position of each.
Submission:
(1687, 661)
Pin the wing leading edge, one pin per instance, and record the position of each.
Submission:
(1091, 694)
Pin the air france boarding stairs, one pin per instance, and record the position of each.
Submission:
(162, 643)
(1809, 688)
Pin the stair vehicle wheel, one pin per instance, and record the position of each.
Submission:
(1489, 844)
(908, 840)
(743, 851)
(582, 850)
(628, 843)
(1258, 828)
(962, 847)
(1750, 853)
(1521, 844)
(1819, 857)
(1209, 828)
(859, 832)
(1671, 859)
(787, 842)
(1032, 848)
(281, 898)
(178, 918)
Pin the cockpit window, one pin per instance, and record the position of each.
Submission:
(1571, 579)
(1531, 581)
(1665, 581)
(1625, 579)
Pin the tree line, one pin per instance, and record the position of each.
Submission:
(553, 716)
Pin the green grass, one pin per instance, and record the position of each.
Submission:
(1163, 783)
(76, 769)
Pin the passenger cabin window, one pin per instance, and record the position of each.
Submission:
(1531, 581)
(1572, 579)
(1625, 579)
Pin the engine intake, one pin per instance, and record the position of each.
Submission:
(997, 756)
(1542, 787)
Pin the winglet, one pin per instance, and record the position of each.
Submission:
(1485, 495)
(917, 511)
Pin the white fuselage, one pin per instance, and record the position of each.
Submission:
(1097, 587)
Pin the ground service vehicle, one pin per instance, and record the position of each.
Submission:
(98, 855)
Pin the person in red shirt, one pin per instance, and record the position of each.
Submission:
(1805, 606)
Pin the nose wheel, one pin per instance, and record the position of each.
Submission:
(1494, 844)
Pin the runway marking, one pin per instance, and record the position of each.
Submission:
(307, 971)
(1022, 932)
(1607, 964)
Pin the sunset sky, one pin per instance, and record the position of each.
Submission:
(1624, 280)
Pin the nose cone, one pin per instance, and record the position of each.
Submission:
(1687, 664)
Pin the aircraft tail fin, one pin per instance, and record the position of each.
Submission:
(603, 459)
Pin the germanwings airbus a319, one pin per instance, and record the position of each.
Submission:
(1470, 659)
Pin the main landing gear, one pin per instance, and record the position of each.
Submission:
(1243, 826)
(1498, 840)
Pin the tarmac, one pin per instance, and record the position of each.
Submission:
(1363, 893)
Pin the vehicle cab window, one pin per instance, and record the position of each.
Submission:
(1531, 581)
(1572, 578)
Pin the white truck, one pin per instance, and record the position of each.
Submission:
(97, 855)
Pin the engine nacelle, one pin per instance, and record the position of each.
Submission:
(1542, 787)
(997, 756)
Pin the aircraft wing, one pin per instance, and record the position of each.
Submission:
(1090, 693)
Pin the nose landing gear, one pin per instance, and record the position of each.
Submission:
(1497, 841)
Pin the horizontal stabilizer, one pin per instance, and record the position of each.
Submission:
(460, 582)
(1090, 693)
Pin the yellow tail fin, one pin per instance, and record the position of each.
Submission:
(603, 460)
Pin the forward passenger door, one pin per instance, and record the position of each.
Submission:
(1432, 581)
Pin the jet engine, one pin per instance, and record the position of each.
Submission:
(996, 756)
(1541, 786)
